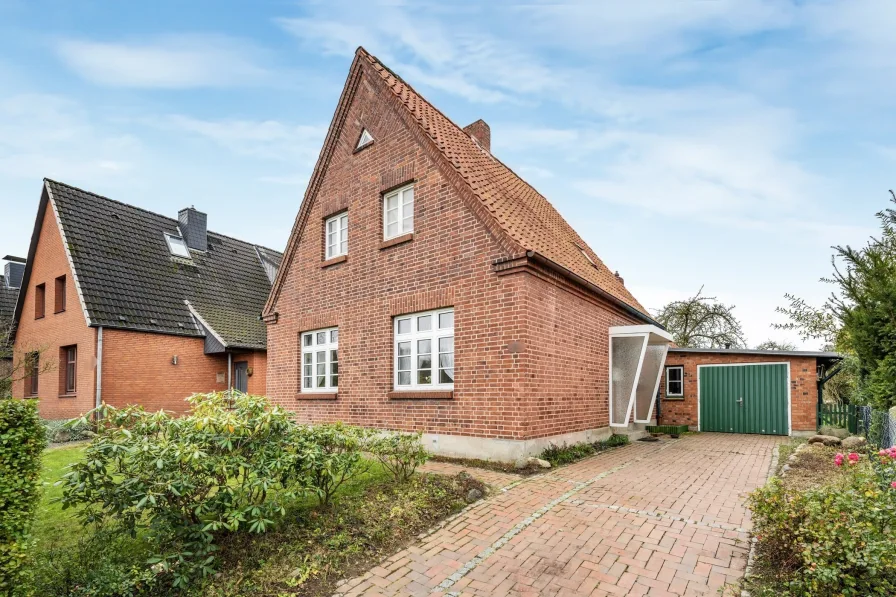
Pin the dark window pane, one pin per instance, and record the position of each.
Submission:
(424, 376)
(446, 375)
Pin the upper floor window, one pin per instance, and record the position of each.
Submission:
(337, 235)
(398, 212)
(424, 350)
(674, 381)
(365, 140)
(177, 246)
(320, 360)
(40, 300)
(59, 294)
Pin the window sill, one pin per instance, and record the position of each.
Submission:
(673, 398)
(68, 395)
(317, 396)
(422, 395)
(398, 240)
(334, 261)
(36, 317)
(58, 312)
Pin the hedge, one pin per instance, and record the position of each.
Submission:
(22, 439)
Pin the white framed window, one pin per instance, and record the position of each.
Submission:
(674, 381)
(365, 139)
(424, 351)
(398, 212)
(320, 360)
(337, 235)
(177, 246)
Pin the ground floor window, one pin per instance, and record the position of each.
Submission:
(68, 360)
(674, 381)
(424, 350)
(320, 360)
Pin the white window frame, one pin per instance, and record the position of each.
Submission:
(364, 140)
(330, 344)
(681, 381)
(173, 248)
(336, 241)
(650, 335)
(434, 335)
(405, 223)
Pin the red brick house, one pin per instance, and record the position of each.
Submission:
(136, 307)
(773, 392)
(427, 287)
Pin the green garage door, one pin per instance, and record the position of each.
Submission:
(744, 398)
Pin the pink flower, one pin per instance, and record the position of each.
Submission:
(853, 458)
(893, 484)
(882, 453)
(838, 459)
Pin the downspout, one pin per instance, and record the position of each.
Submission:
(99, 367)
(229, 367)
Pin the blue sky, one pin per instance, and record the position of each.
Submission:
(719, 143)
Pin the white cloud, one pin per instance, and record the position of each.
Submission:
(266, 139)
(172, 62)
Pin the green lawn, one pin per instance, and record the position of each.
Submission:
(311, 549)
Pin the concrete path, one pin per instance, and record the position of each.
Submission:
(660, 518)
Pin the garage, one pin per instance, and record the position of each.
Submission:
(748, 398)
(768, 392)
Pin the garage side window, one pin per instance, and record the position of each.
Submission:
(320, 360)
(674, 382)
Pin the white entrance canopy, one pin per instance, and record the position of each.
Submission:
(637, 356)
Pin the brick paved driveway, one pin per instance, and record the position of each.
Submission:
(662, 518)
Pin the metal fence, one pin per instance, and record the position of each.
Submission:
(877, 426)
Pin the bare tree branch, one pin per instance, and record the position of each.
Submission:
(702, 322)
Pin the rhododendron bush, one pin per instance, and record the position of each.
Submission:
(834, 539)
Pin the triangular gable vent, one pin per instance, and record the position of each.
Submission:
(366, 139)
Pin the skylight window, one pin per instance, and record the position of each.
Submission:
(177, 246)
(366, 139)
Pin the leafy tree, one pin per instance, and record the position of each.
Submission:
(810, 322)
(776, 345)
(702, 322)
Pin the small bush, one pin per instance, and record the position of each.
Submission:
(21, 443)
(328, 455)
(225, 467)
(566, 454)
(836, 539)
(399, 453)
(63, 431)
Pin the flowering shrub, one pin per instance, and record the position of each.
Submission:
(836, 539)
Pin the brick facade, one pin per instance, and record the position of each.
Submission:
(530, 348)
(683, 411)
(137, 366)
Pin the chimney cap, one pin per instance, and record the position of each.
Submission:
(14, 259)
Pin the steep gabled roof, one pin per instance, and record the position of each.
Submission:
(526, 220)
(521, 211)
(128, 279)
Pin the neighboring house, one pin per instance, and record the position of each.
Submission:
(9, 290)
(135, 307)
(773, 392)
(427, 287)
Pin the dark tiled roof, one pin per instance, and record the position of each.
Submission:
(7, 307)
(523, 213)
(129, 279)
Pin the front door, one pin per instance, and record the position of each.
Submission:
(744, 398)
(241, 376)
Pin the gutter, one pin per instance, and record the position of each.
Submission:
(99, 367)
(556, 267)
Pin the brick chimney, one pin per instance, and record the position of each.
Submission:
(194, 227)
(13, 271)
(480, 131)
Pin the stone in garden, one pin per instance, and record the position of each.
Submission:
(473, 495)
(538, 462)
(855, 442)
(828, 440)
(835, 431)
(785, 468)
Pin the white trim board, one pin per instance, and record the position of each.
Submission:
(789, 396)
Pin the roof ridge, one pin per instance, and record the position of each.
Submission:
(153, 213)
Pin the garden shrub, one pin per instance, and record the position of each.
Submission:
(21, 443)
(225, 467)
(62, 431)
(328, 455)
(566, 454)
(836, 539)
(399, 453)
